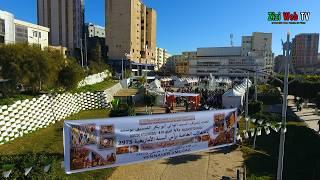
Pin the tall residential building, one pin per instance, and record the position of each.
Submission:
(65, 18)
(131, 33)
(259, 45)
(161, 57)
(17, 31)
(305, 50)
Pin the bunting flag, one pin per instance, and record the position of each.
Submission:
(27, 171)
(47, 168)
(6, 174)
(258, 130)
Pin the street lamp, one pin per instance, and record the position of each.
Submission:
(287, 54)
(127, 55)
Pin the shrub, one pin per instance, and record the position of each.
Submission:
(255, 107)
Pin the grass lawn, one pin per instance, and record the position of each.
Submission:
(301, 161)
(49, 142)
(13, 99)
(96, 87)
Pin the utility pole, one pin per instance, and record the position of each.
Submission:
(86, 48)
(247, 103)
(255, 85)
(286, 53)
(122, 69)
(81, 52)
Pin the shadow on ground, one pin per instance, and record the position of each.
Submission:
(183, 159)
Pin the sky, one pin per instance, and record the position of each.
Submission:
(185, 25)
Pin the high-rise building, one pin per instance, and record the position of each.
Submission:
(259, 45)
(305, 50)
(65, 18)
(131, 34)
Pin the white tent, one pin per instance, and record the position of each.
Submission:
(156, 89)
(234, 98)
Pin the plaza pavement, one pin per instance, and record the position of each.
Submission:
(198, 166)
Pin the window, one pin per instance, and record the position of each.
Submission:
(2, 27)
(1, 39)
(35, 34)
(39, 34)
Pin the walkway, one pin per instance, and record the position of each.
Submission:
(308, 114)
(199, 166)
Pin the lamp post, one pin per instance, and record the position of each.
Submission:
(247, 103)
(146, 69)
(286, 53)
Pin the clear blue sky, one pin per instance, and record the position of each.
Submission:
(184, 25)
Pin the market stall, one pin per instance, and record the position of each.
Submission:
(234, 98)
(193, 100)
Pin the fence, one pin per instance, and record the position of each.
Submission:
(27, 116)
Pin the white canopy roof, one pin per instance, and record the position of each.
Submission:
(182, 94)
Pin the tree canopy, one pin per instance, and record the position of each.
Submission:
(37, 69)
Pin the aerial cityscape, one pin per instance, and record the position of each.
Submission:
(144, 89)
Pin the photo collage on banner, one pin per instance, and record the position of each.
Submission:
(103, 143)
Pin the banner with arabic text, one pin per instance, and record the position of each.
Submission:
(103, 143)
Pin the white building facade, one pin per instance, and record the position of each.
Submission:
(93, 30)
(6, 27)
(161, 58)
(31, 33)
(17, 31)
(254, 54)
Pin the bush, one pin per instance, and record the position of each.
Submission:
(70, 76)
(269, 95)
(255, 107)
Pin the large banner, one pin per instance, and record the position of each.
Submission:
(103, 143)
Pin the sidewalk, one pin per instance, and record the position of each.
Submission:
(307, 114)
(199, 166)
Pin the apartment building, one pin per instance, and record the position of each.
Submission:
(305, 51)
(183, 62)
(161, 58)
(65, 18)
(131, 34)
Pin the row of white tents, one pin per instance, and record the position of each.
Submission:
(234, 98)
